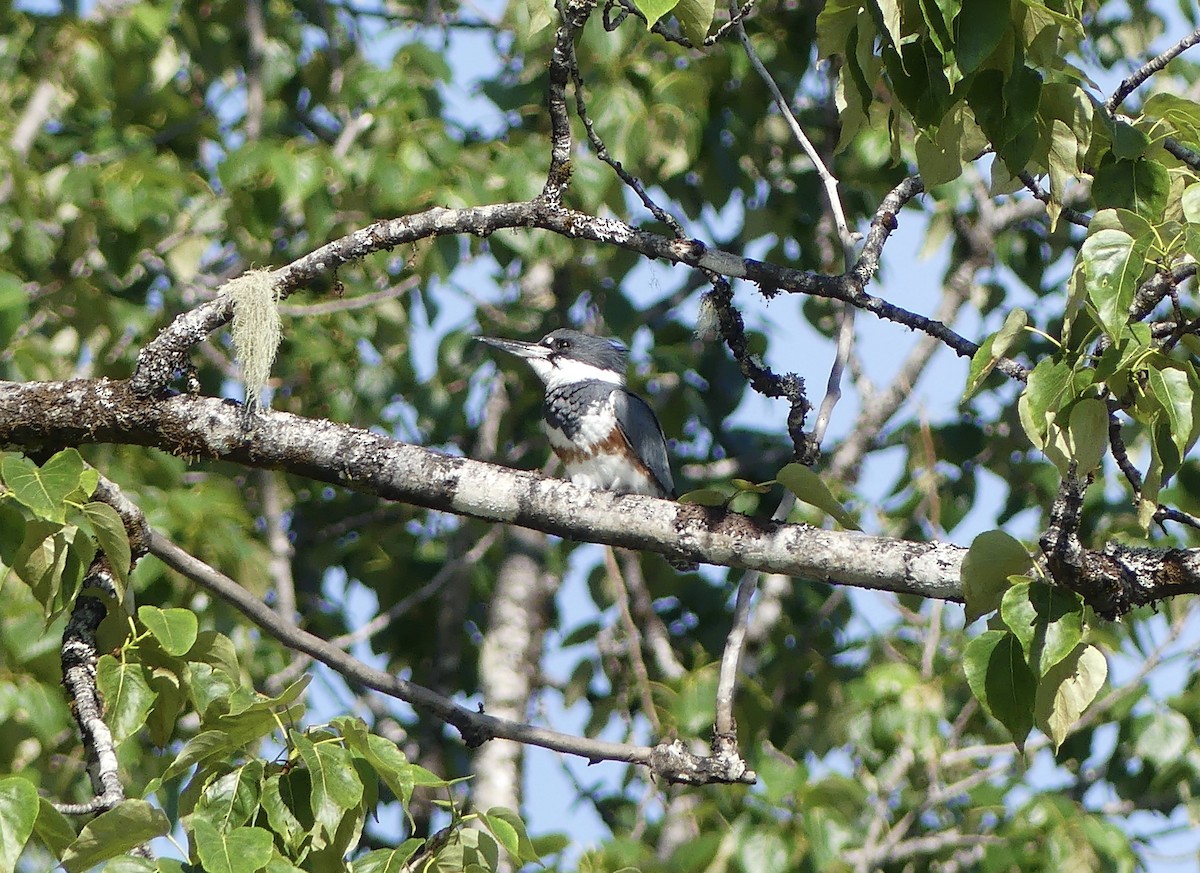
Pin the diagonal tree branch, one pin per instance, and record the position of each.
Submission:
(1148, 69)
(671, 761)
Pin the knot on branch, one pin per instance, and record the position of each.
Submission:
(674, 762)
(1118, 578)
(166, 356)
(761, 378)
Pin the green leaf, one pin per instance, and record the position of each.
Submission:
(540, 15)
(1046, 391)
(654, 9)
(18, 812)
(810, 488)
(993, 349)
(233, 799)
(1128, 142)
(1001, 681)
(336, 788)
(755, 488)
(110, 532)
(1046, 619)
(764, 851)
(169, 700)
(279, 801)
(980, 26)
(1142, 186)
(1173, 390)
(175, 629)
(1165, 738)
(114, 833)
(241, 850)
(200, 748)
(44, 489)
(1089, 433)
(508, 829)
(388, 860)
(14, 306)
(695, 17)
(993, 557)
(385, 757)
(128, 864)
(1191, 203)
(704, 497)
(1112, 263)
(208, 687)
(1067, 689)
(127, 695)
(217, 650)
(52, 828)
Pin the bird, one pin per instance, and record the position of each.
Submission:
(607, 437)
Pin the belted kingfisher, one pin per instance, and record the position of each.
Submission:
(606, 436)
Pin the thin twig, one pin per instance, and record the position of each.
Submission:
(1071, 215)
(388, 617)
(1148, 69)
(348, 304)
(731, 657)
(633, 644)
(658, 640)
(845, 341)
(761, 378)
(602, 153)
(671, 761)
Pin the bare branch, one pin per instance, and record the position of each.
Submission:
(79, 657)
(1068, 214)
(845, 342)
(670, 761)
(731, 657)
(1148, 69)
(573, 13)
(166, 355)
(347, 304)
(1182, 152)
(761, 378)
(602, 153)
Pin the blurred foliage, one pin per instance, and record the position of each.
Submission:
(137, 174)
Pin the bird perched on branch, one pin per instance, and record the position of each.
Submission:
(606, 436)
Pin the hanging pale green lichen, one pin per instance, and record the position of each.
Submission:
(256, 328)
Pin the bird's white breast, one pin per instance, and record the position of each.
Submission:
(590, 458)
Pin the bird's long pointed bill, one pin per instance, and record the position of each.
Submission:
(515, 347)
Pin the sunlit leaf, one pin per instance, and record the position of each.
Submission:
(1067, 689)
(175, 628)
(239, 850)
(43, 489)
(808, 486)
(993, 557)
(18, 812)
(113, 833)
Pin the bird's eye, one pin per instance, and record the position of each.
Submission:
(561, 344)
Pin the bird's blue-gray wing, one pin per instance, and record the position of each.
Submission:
(645, 436)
